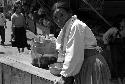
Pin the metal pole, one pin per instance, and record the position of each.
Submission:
(97, 12)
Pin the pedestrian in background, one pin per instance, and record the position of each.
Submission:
(2, 26)
(114, 39)
(18, 29)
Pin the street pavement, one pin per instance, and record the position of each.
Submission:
(8, 49)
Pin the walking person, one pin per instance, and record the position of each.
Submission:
(2, 26)
(18, 29)
(83, 63)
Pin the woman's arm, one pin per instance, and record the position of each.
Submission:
(13, 22)
(74, 55)
(58, 41)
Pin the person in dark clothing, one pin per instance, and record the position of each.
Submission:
(19, 29)
(115, 39)
(2, 26)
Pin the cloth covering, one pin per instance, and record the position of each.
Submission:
(94, 69)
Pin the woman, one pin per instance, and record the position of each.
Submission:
(82, 61)
(115, 39)
(18, 29)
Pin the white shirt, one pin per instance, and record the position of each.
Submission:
(2, 19)
(78, 37)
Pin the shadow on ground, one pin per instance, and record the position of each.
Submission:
(2, 52)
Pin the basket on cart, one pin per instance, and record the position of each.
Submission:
(43, 52)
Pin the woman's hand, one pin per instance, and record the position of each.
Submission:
(99, 49)
(59, 81)
(61, 55)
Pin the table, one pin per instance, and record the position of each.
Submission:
(15, 70)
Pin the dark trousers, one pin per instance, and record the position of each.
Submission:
(68, 80)
(2, 33)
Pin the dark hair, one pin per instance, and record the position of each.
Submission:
(61, 5)
(16, 7)
(17, 4)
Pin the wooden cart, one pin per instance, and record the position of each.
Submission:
(14, 71)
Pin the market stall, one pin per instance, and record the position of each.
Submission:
(17, 71)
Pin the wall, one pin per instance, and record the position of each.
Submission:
(16, 70)
(113, 8)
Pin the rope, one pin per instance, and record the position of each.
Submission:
(97, 12)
